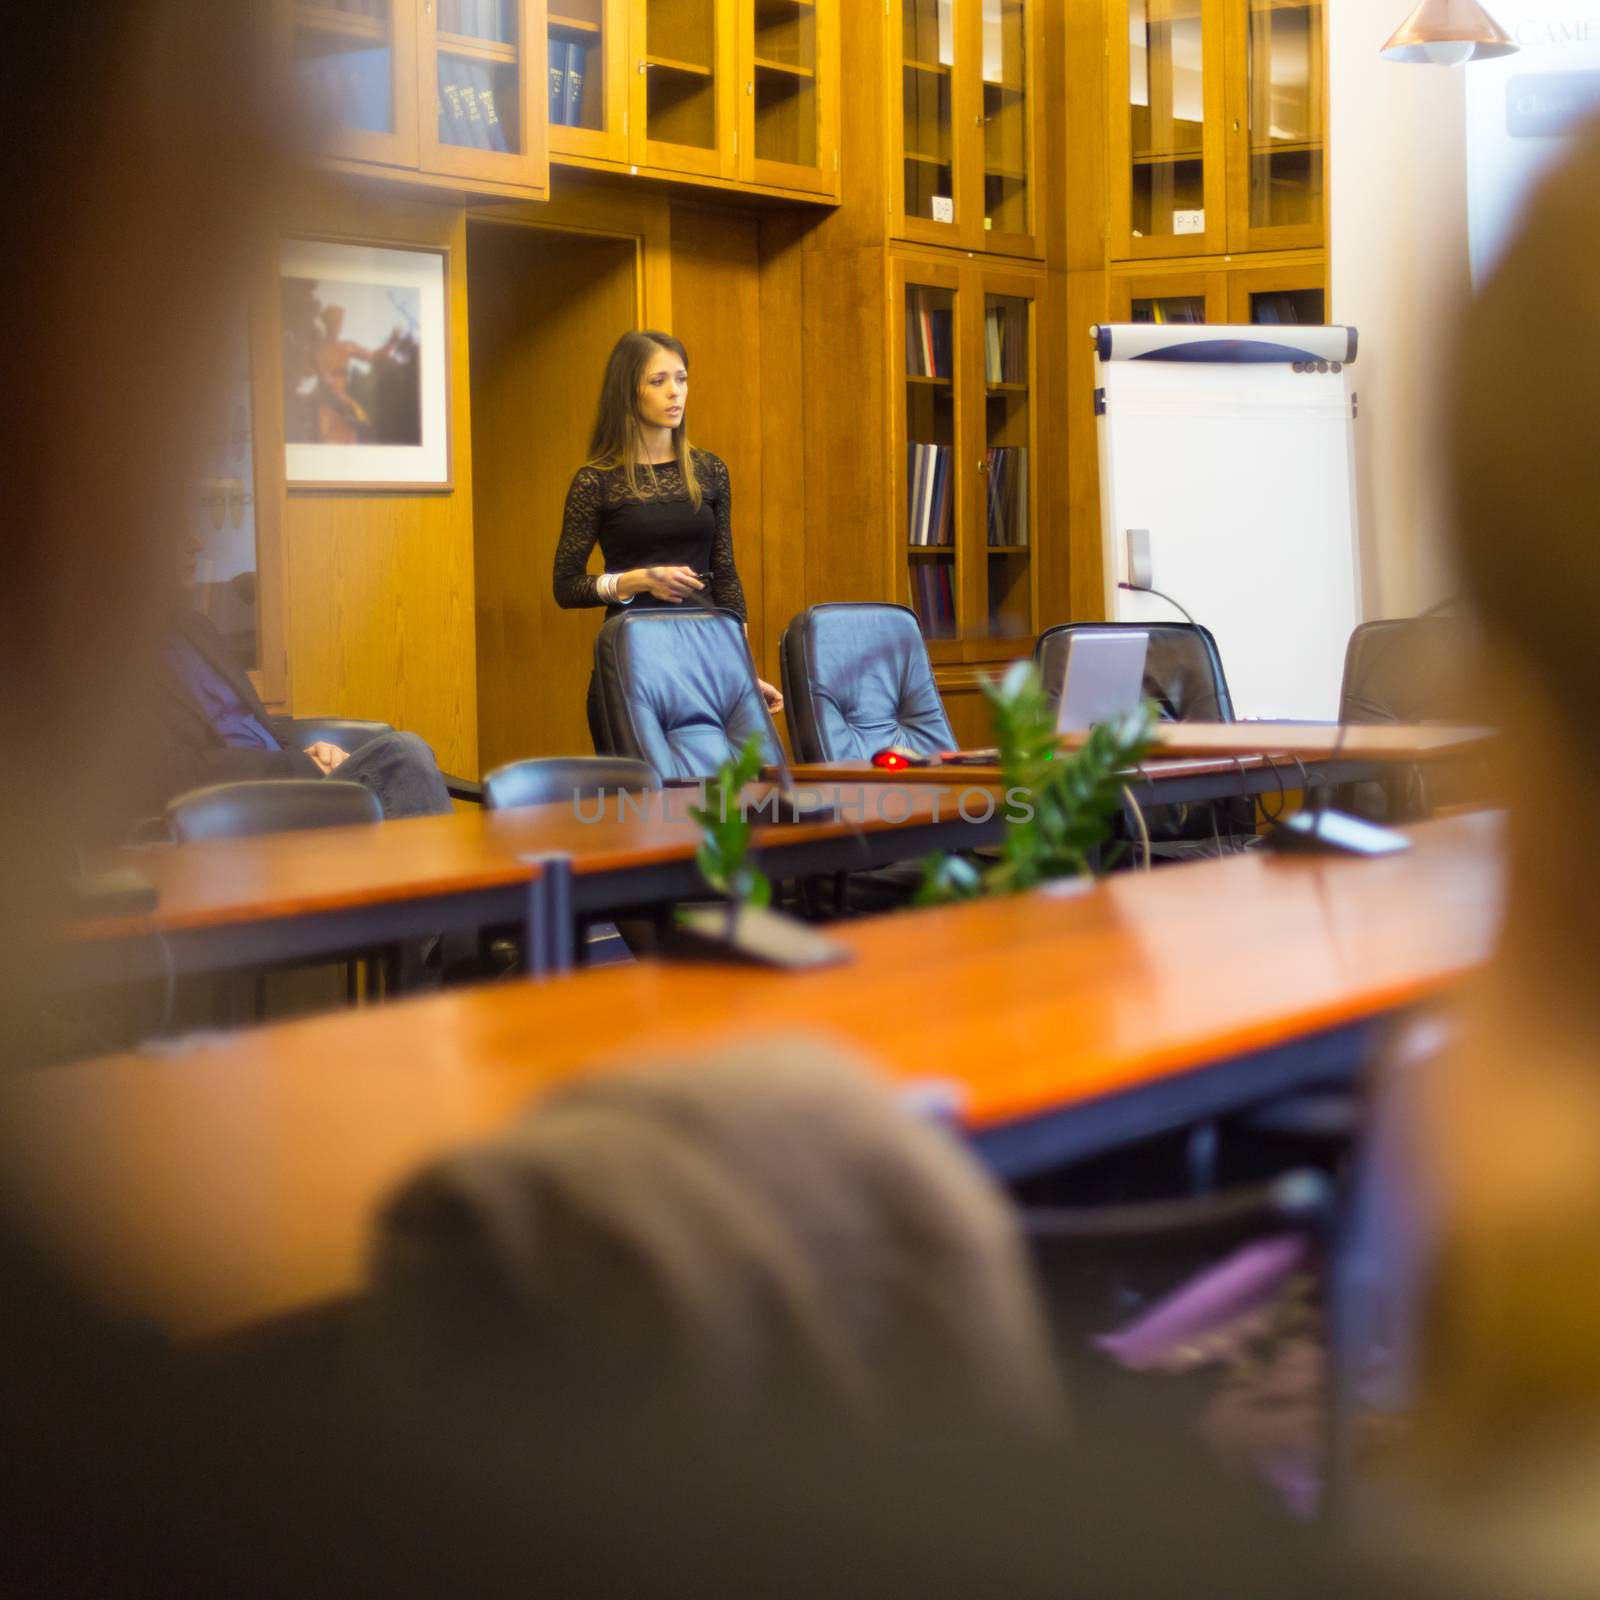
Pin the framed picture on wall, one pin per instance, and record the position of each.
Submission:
(366, 366)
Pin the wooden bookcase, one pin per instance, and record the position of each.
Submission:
(962, 87)
(445, 93)
(963, 448)
(1217, 114)
(737, 94)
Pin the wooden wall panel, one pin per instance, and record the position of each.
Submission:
(547, 307)
(716, 312)
(785, 512)
(551, 287)
(379, 614)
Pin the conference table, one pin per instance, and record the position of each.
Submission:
(236, 903)
(212, 1182)
(241, 903)
(1194, 762)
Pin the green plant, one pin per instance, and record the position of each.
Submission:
(1059, 806)
(724, 853)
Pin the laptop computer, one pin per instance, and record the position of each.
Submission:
(1104, 677)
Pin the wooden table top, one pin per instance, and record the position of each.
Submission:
(236, 1177)
(288, 874)
(1358, 741)
(953, 774)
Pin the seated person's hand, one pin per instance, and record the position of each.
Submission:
(327, 756)
(772, 696)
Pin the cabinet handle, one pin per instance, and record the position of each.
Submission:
(983, 466)
(641, 64)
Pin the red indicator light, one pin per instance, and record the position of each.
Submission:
(890, 759)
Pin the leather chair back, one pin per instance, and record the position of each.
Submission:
(270, 805)
(856, 679)
(678, 691)
(348, 733)
(542, 781)
(1408, 669)
(1182, 671)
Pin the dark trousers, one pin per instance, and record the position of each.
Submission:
(399, 768)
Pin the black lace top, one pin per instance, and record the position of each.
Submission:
(659, 532)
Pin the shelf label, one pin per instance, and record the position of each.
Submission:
(1188, 222)
(944, 208)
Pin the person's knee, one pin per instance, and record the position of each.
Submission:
(408, 746)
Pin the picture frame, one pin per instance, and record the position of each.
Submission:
(366, 365)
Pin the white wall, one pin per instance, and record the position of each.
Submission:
(1399, 269)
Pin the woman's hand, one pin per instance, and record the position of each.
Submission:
(771, 696)
(675, 584)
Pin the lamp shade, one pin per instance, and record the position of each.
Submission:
(1447, 33)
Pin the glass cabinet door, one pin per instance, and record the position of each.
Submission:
(481, 64)
(1267, 295)
(1167, 195)
(928, 145)
(586, 47)
(1276, 125)
(679, 117)
(1169, 297)
(930, 482)
(1007, 466)
(788, 132)
(355, 71)
(1007, 142)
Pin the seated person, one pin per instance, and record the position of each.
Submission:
(211, 727)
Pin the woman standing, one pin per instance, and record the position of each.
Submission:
(659, 508)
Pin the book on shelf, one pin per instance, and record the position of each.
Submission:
(558, 80)
(928, 340)
(482, 80)
(454, 130)
(1008, 494)
(933, 598)
(930, 497)
(1005, 346)
(577, 61)
(349, 88)
(449, 16)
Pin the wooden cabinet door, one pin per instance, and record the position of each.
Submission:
(685, 55)
(1276, 124)
(483, 86)
(1294, 293)
(1002, 391)
(1005, 135)
(589, 58)
(1166, 103)
(1169, 297)
(355, 74)
(931, 101)
(788, 94)
(930, 364)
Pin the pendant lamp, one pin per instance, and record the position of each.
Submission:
(1447, 33)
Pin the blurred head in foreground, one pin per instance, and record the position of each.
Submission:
(1513, 1120)
(138, 217)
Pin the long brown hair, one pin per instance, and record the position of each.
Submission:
(618, 436)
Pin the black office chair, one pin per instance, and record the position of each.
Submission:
(856, 679)
(543, 781)
(1183, 675)
(350, 733)
(275, 805)
(1409, 669)
(272, 805)
(552, 779)
(678, 691)
(1182, 668)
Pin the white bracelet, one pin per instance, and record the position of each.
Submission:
(606, 587)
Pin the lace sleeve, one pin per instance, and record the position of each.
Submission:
(580, 527)
(726, 590)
